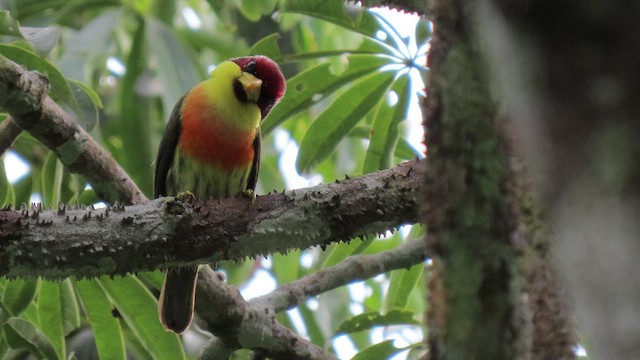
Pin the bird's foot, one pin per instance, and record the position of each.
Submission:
(186, 197)
(250, 194)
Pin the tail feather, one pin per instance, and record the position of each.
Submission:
(177, 299)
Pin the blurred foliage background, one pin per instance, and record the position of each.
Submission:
(120, 66)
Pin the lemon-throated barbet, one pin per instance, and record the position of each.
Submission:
(211, 148)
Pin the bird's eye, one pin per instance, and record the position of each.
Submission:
(251, 67)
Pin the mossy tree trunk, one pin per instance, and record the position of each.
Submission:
(492, 291)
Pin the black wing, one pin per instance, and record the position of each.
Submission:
(255, 166)
(167, 150)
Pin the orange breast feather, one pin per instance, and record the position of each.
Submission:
(208, 139)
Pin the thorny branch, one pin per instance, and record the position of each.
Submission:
(167, 232)
(252, 318)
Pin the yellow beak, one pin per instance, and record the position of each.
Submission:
(251, 86)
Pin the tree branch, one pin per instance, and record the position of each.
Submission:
(167, 232)
(239, 325)
(23, 95)
(569, 76)
(9, 132)
(354, 268)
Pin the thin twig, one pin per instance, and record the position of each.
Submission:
(354, 268)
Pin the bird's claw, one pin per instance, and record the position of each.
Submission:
(250, 194)
(186, 197)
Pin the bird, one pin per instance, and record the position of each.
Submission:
(210, 148)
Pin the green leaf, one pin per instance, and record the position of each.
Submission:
(4, 348)
(60, 91)
(267, 6)
(21, 334)
(89, 93)
(136, 126)
(312, 85)
(286, 267)
(250, 9)
(423, 31)
(52, 174)
(238, 272)
(106, 328)
(177, 70)
(9, 197)
(90, 45)
(139, 309)
(401, 284)
(268, 46)
(88, 103)
(8, 25)
(17, 296)
(153, 278)
(339, 252)
(354, 18)
(70, 308)
(88, 196)
(339, 118)
(405, 150)
(50, 315)
(369, 320)
(382, 351)
(22, 189)
(43, 39)
(385, 134)
(311, 324)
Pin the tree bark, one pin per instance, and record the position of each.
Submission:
(569, 74)
(167, 232)
(492, 292)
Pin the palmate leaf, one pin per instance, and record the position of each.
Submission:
(286, 268)
(51, 178)
(139, 310)
(42, 39)
(70, 307)
(8, 25)
(7, 194)
(338, 252)
(135, 127)
(90, 45)
(381, 351)
(312, 324)
(385, 134)
(401, 284)
(87, 104)
(369, 320)
(312, 85)
(250, 9)
(51, 317)
(339, 118)
(68, 94)
(22, 334)
(336, 12)
(17, 296)
(106, 328)
(267, 46)
(60, 91)
(177, 70)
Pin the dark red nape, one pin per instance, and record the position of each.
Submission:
(273, 82)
